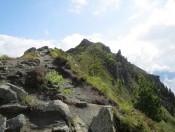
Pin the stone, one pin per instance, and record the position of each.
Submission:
(56, 106)
(14, 108)
(2, 124)
(20, 92)
(61, 129)
(7, 95)
(33, 49)
(16, 123)
(103, 122)
(80, 125)
(81, 104)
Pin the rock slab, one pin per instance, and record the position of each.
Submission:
(103, 122)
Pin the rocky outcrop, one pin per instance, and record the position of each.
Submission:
(9, 92)
(13, 108)
(56, 106)
(103, 122)
(6, 94)
(33, 49)
(19, 91)
(16, 123)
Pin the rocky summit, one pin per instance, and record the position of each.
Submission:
(86, 89)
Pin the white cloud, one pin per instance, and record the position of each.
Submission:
(169, 82)
(105, 5)
(14, 46)
(77, 5)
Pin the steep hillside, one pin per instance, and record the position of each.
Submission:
(87, 88)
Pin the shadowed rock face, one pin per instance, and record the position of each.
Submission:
(103, 122)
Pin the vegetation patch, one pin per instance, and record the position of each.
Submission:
(30, 55)
(4, 57)
(29, 100)
(67, 91)
(55, 79)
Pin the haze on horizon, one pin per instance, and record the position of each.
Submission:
(144, 30)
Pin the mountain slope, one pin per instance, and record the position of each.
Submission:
(115, 77)
(87, 79)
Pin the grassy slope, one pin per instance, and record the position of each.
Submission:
(130, 118)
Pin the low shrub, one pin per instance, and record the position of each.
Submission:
(4, 57)
(30, 55)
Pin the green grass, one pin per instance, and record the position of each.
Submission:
(67, 91)
(55, 53)
(4, 57)
(130, 118)
(30, 55)
(29, 100)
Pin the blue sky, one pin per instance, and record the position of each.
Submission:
(144, 30)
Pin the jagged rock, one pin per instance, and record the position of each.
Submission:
(81, 104)
(33, 49)
(56, 106)
(103, 122)
(2, 124)
(16, 123)
(80, 125)
(14, 108)
(32, 62)
(43, 50)
(6, 94)
(61, 129)
(19, 92)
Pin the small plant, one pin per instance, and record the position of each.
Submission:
(72, 121)
(67, 91)
(28, 100)
(55, 79)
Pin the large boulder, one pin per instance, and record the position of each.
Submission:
(2, 124)
(103, 122)
(16, 123)
(6, 94)
(13, 108)
(56, 106)
(19, 92)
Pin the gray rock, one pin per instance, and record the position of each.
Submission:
(19, 92)
(33, 49)
(14, 107)
(2, 124)
(57, 106)
(16, 123)
(103, 122)
(81, 104)
(61, 129)
(80, 125)
(7, 94)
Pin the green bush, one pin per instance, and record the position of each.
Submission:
(55, 79)
(4, 57)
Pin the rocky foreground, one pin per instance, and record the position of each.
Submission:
(47, 110)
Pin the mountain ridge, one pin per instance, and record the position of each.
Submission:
(93, 77)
